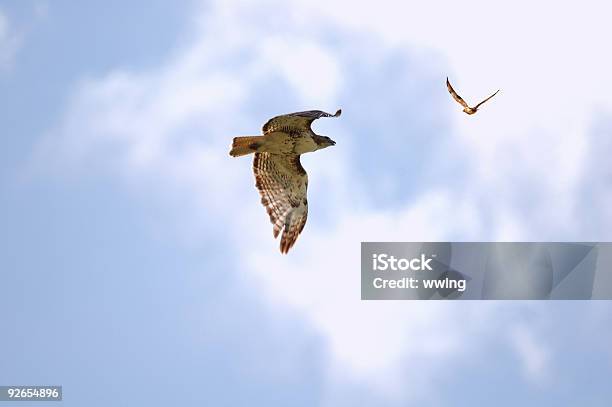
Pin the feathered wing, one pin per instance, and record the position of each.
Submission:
(455, 95)
(282, 183)
(299, 121)
(478, 105)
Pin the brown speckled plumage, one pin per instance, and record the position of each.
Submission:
(279, 176)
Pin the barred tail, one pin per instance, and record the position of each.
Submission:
(245, 145)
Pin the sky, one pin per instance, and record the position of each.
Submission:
(137, 266)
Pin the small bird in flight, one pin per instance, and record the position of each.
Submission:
(279, 175)
(466, 108)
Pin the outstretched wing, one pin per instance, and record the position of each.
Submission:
(282, 183)
(299, 121)
(454, 94)
(478, 105)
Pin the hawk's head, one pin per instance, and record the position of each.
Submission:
(323, 141)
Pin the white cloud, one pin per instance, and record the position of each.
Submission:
(533, 353)
(380, 343)
(311, 70)
(9, 41)
(172, 126)
(552, 72)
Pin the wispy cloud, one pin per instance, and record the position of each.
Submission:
(9, 41)
(533, 353)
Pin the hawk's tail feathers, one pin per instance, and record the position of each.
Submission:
(245, 145)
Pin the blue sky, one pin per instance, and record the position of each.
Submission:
(134, 251)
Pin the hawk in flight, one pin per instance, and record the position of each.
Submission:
(279, 176)
(466, 108)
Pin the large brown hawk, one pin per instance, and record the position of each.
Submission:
(279, 175)
(467, 109)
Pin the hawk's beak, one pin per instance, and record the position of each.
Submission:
(332, 142)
